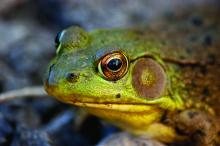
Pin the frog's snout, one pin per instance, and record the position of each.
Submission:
(52, 79)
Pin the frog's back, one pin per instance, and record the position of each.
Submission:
(193, 42)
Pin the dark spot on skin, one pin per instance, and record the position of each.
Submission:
(189, 50)
(192, 38)
(211, 58)
(209, 120)
(192, 114)
(163, 42)
(193, 84)
(200, 132)
(182, 57)
(207, 40)
(139, 32)
(206, 91)
(197, 21)
(218, 133)
(118, 95)
(114, 81)
(180, 131)
(102, 41)
(164, 118)
(71, 77)
(96, 69)
(203, 70)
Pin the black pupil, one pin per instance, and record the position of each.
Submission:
(114, 64)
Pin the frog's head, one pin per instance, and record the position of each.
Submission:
(102, 70)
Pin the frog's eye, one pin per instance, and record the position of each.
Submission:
(113, 66)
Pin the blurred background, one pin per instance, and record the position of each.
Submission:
(27, 32)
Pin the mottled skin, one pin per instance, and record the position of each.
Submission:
(183, 104)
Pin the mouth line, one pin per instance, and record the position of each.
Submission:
(124, 107)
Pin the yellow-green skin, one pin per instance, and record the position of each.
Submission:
(98, 95)
(79, 52)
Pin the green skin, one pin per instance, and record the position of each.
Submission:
(80, 52)
(84, 63)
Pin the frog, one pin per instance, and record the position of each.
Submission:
(159, 81)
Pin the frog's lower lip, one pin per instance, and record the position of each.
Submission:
(116, 106)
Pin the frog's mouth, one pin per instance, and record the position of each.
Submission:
(85, 103)
(122, 107)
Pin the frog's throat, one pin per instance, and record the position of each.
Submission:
(131, 117)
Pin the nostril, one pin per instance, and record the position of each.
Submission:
(51, 77)
(71, 77)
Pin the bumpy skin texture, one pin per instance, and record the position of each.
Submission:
(175, 63)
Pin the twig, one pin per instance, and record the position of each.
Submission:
(36, 91)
